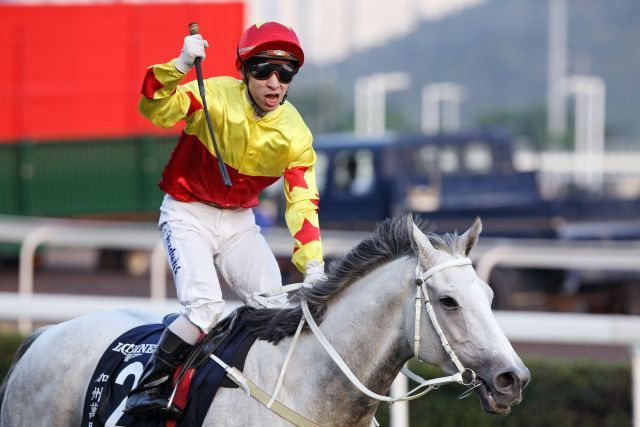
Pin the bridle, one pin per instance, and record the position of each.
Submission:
(421, 279)
(464, 376)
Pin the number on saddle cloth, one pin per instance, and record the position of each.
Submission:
(121, 366)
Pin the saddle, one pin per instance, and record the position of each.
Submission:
(196, 382)
(208, 345)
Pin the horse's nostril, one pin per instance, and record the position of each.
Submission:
(505, 381)
(512, 380)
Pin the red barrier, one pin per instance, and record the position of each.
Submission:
(76, 71)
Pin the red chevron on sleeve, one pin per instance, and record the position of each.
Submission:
(194, 104)
(307, 233)
(150, 84)
(295, 177)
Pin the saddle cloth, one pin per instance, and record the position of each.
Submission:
(121, 366)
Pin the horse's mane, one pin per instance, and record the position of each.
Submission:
(392, 239)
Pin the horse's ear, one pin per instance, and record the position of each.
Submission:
(421, 241)
(469, 239)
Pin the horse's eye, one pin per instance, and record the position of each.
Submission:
(449, 302)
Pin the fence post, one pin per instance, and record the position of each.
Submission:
(635, 384)
(399, 411)
(26, 269)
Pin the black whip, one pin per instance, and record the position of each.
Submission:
(194, 28)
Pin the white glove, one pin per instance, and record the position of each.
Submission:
(193, 47)
(315, 273)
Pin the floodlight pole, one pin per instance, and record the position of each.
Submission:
(441, 107)
(590, 93)
(370, 100)
(635, 372)
(557, 68)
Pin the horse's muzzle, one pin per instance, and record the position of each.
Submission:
(504, 391)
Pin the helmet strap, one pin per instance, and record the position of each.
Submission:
(259, 112)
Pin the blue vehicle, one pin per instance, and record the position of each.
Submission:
(448, 178)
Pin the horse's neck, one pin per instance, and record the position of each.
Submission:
(365, 324)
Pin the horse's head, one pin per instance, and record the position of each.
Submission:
(462, 306)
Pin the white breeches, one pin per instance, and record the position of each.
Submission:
(201, 242)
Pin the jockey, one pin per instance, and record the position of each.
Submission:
(209, 229)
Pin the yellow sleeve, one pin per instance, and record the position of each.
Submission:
(301, 215)
(163, 101)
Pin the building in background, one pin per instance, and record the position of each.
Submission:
(331, 29)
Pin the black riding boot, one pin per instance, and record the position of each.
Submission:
(149, 397)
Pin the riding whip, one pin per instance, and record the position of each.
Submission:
(194, 28)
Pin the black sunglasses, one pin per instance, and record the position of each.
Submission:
(263, 70)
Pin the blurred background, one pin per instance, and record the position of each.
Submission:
(521, 112)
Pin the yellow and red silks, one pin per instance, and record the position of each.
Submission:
(256, 151)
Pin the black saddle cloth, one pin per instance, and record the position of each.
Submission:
(121, 365)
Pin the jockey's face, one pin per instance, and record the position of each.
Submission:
(268, 93)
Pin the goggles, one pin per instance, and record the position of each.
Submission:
(263, 70)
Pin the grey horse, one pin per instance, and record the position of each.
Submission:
(366, 310)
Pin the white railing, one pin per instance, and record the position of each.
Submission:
(32, 233)
(585, 255)
(107, 237)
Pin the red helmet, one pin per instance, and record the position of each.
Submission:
(269, 36)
